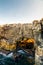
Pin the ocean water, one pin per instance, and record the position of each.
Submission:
(8, 60)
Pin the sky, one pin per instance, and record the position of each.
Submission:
(20, 11)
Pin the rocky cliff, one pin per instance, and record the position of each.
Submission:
(10, 33)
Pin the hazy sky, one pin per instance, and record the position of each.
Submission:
(16, 11)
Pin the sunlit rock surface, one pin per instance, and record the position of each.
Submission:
(9, 34)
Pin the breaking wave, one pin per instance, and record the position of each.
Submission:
(6, 59)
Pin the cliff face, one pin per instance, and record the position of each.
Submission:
(13, 32)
